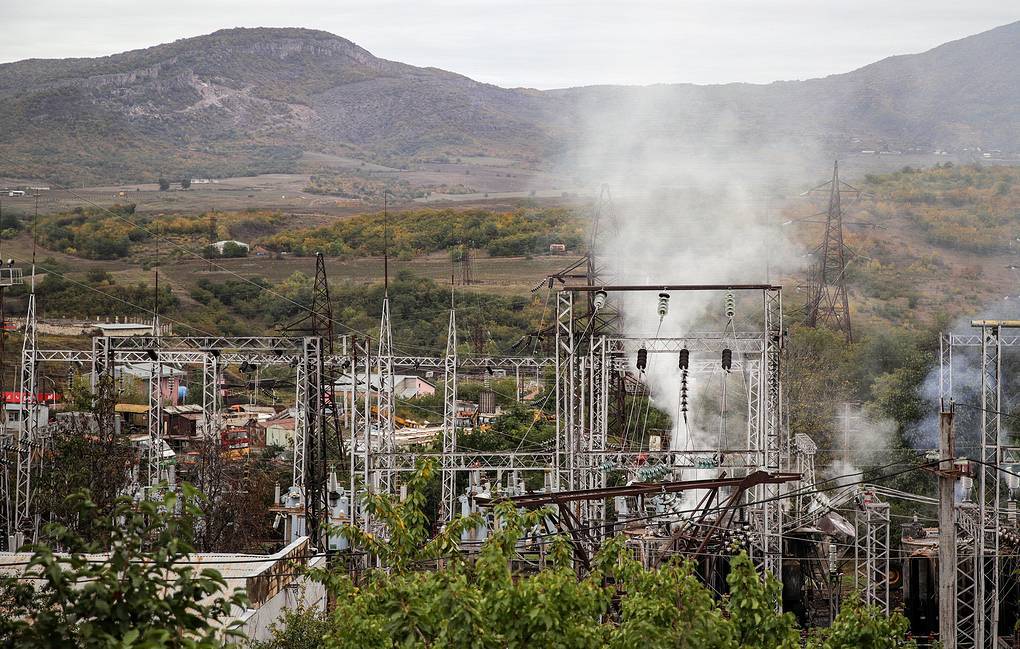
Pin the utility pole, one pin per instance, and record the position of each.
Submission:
(465, 265)
(947, 530)
(385, 403)
(828, 302)
(850, 421)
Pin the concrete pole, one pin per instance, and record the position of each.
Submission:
(947, 531)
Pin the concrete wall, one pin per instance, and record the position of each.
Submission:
(302, 592)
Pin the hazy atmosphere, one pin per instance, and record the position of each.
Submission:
(497, 325)
(532, 43)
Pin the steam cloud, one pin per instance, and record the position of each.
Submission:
(691, 208)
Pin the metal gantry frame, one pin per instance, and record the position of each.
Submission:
(583, 363)
(359, 421)
(211, 379)
(979, 563)
(155, 414)
(584, 366)
(873, 541)
(448, 495)
(772, 419)
(968, 575)
(385, 403)
(21, 524)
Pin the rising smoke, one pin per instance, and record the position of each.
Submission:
(963, 386)
(691, 208)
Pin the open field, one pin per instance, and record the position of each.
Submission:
(507, 275)
(488, 179)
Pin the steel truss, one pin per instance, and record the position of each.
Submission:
(583, 365)
(360, 422)
(448, 493)
(873, 542)
(987, 570)
(155, 475)
(385, 403)
(21, 526)
(308, 434)
(979, 528)
(772, 418)
(968, 572)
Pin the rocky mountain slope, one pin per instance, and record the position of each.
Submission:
(244, 101)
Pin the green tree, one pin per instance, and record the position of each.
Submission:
(753, 603)
(144, 592)
(864, 627)
(231, 249)
(428, 595)
(301, 628)
(164, 184)
(185, 183)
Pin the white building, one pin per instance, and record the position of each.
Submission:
(405, 386)
(219, 245)
(124, 329)
(274, 583)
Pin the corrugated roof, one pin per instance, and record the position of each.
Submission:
(183, 409)
(135, 408)
(286, 424)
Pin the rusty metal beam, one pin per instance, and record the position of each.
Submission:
(533, 501)
(672, 287)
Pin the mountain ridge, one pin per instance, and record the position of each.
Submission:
(250, 100)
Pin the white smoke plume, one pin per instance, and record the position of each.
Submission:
(691, 209)
(962, 385)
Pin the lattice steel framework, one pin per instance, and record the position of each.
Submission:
(583, 366)
(211, 394)
(28, 433)
(308, 429)
(384, 401)
(772, 419)
(448, 496)
(360, 422)
(988, 488)
(873, 540)
(828, 300)
(567, 397)
(978, 562)
(968, 570)
(594, 415)
(155, 414)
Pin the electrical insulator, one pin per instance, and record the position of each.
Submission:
(731, 305)
(727, 359)
(642, 359)
(685, 359)
(683, 391)
(663, 305)
(600, 300)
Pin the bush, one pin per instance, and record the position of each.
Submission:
(147, 593)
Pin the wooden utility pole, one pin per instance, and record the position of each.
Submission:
(947, 530)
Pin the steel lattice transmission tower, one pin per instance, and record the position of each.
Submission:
(828, 301)
(324, 444)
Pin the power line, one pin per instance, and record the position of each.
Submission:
(190, 252)
(196, 255)
(116, 298)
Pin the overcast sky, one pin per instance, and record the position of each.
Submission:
(537, 43)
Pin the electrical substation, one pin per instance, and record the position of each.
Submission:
(721, 480)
